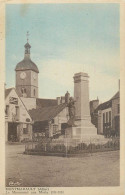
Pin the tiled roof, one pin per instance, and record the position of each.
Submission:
(7, 91)
(45, 102)
(46, 113)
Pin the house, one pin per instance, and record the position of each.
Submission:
(18, 123)
(50, 121)
(107, 115)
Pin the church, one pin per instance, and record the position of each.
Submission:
(26, 115)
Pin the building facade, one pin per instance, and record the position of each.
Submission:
(50, 121)
(116, 112)
(18, 123)
(106, 117)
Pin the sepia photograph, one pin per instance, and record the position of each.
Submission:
(62, 95)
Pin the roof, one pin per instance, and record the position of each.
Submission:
(27, 45)
(104, 105)
(107, 104)
(7, 91)
(46, 113)
(117, 95)
(45, 102)
(27, 64)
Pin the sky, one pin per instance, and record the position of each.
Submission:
(66, 39)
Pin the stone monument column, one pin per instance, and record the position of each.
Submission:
(81, 96)
(82, 108)
(81, 128)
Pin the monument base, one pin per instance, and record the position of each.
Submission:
(81, 128)
(79, 132)
(85, 134)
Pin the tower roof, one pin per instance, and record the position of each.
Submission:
(27, 63)
(27, 45)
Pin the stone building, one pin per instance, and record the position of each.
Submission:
(116, 111)
(50, 121)
(107, 115)
(18, 123)
(42, 115)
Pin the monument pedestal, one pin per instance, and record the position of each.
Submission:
(85, 135)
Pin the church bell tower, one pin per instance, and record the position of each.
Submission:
(27, 75)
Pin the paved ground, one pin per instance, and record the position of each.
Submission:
(99, 169)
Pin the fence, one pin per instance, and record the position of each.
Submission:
(71, 147)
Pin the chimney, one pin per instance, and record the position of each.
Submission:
(119, 84)
(93, 105)
(67, 96)
(58, 100)
(62, 99)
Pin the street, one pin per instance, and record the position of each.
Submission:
(98, 169)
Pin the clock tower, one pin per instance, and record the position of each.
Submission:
(27, 76)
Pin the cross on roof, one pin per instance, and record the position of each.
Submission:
(27, 35)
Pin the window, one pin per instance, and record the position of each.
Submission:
(25, 129)
(109, 116)
(7, 110)
(103, 117)
(55, 129)
(17, 111)
(52, 121)
(23, 90)
(34, 92)
(118, 107)
(106, 117)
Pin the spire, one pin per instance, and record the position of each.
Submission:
(27, 36)
(27, 46)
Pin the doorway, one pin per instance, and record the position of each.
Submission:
(12, 132)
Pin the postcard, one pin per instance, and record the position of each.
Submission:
(62, 97)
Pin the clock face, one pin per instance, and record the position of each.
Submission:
(22, 75)
(34, 76)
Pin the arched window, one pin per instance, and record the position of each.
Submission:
(23, 90)
(34, 92)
